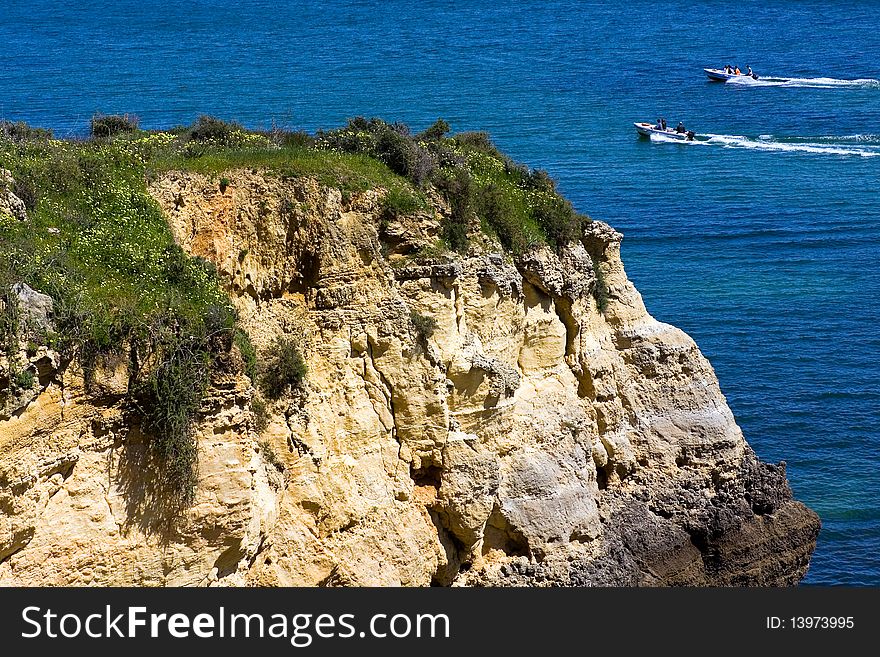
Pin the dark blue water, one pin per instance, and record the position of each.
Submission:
(762, 243)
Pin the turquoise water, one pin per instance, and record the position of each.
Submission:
(762, 242)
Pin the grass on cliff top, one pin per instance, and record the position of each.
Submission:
(485, 189)
(98, 244)
(353, 173)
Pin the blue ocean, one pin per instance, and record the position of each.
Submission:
(761, 239)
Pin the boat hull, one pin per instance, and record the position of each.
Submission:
(717, 75)
(647, 129)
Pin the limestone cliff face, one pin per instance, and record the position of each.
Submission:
(525, 438)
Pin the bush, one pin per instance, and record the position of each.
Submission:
(284, 368)
(505, 219)
(210, 128)
(291, 139)
(436, 131)
(478, 141)
(540, 180)
(561, 224)
(271, 457)
(248, 354)
(390, 143)
(261, 414)
(105, 126)
(224, 183)
(456, 187)
(23, 380)
(403, 155)
(24, 189)
(600, 291)
(400, 202)
(169, 399)
(424, 325)
(21, 131)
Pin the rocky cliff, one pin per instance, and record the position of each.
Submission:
(465, 420)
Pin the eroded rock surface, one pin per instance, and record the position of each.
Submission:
(527, 438)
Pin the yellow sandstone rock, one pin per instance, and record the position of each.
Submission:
(527, 438)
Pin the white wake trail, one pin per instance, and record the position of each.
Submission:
(811, 83)
(815, 145)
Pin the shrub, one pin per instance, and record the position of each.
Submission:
(424, 325)
(105, 126)
(271, 457)
(600, 291)
(561, 224)
(390, 143)
(23, 380)
(478, 141)
(436, 131)
(248, 354)
(261, 414)
(21, 131)
(169, 398)
(292, 139)
(284, 368)
(456, 187)
(399, 202)
(224, 183)
(210, 128)
(403, 155)
(505, 219)
(540, 180)
(25, 190)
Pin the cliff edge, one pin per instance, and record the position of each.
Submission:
(466, 419)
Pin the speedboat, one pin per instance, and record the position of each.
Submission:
(648, 129)
(718, 75)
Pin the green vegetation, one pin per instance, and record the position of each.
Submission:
(261, 414)
(248, 354)
(518, 205)
(23, 380)
(424, 325)
(97, 243)
(20, 131)
(400, 201)
(600, 292)
(284, 368)
(105, 126)
(271, 457)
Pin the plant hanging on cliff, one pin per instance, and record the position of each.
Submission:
(97, 243)
(284, 368)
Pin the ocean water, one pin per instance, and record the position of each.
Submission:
(762, 241)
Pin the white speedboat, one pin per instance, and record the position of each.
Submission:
(648, 129)
(718, 75)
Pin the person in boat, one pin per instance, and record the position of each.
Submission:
(728, 69)
(659, 125)
(663, 124)
(751, 73)
(680, 129)
(737, 71)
